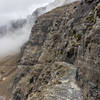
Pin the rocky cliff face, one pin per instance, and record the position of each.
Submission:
(88, 57)
(64, 45)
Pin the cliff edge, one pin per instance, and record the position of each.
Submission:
(63, 51)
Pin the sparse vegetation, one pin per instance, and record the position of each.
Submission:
(78, 36)
(91, 19)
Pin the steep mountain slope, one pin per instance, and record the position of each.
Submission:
(46, 75)
(62, 41)
(63, 50)
(16, 33)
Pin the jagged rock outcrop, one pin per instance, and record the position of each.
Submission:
(45, 54)
(89, 54)
(62, 41)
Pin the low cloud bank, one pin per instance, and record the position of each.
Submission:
(11, 43)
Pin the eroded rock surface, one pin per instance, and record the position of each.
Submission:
(64, 45)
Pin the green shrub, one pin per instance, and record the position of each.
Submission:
(78, 37)
(91, 19)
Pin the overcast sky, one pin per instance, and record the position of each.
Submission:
(13, 9)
